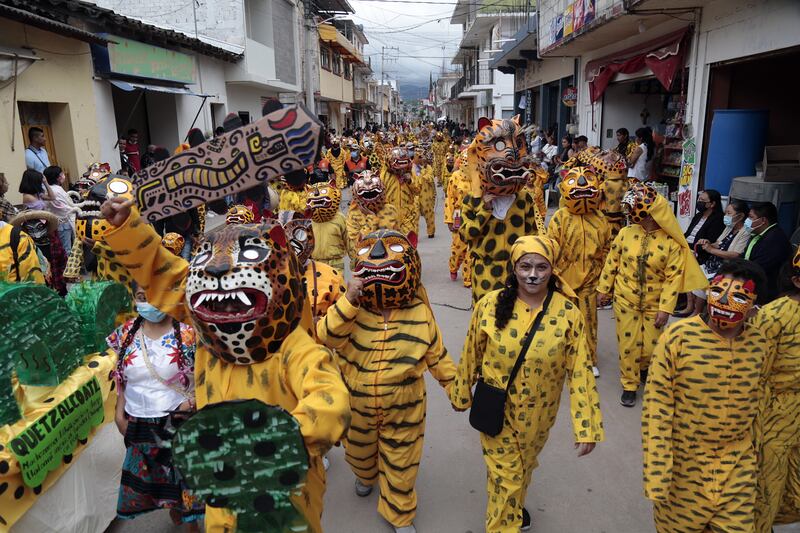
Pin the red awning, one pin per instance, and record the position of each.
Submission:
(664, 56)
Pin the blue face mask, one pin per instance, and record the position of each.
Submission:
(149, 312)
(748, 224)
(411, 153)
(728, 220)
(354, 155)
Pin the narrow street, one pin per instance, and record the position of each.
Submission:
(599, 493)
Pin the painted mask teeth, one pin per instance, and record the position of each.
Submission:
(222, 297)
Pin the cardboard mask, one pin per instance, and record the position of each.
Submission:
(89, 222)
(390, 268)
(729, 301)
(282, 141)
(323, 201)
(300, 233)
(368, 191)
(580, 189)
(244, 292)
(239, 214)
(637, 201)
(173, 242)
(499, 153)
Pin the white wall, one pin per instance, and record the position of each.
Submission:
(106, 125)
(162, 116)
(211, 81)
(247, 98)
(621, 109)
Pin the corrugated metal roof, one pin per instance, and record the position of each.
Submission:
(45, 23)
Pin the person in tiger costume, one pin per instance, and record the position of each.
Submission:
(500, 323)
(356, 163)
(330, 229)
(700, 405)
(385, 373)
(369, 211)
(584, 236)
(424, 175)
(244, 296)
(337, 158)
(440, 148)
(323, 283)
(402, 189)
(648, 265)
(497, 210)
(458, 186)
(778, 422)
(293, 193)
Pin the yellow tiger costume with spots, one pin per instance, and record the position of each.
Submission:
(558, 354)
(645, 271)
(497, 164)
(427, 197)
(337, 157)
(778, 494)
(584, 236)
(383, 358)
(439, 147)
(244, 296)
(458, 187)
(402, 189)
(700, 403)
(330, 229)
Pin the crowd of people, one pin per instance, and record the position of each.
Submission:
(261, 309)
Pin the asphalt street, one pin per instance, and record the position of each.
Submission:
(599, 493)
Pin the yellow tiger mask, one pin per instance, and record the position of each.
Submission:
(500, 154)
(390, 268)
(580, 189)
(323, 201)
(368, 191)
(637, 201)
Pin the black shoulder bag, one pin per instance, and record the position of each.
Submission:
(489, 402)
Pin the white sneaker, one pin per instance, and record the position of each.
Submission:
(406, 529)
(363, 490)
(595, 371)
(326, 463)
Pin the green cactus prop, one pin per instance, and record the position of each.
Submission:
(43, 340)
(248, 457)
(97, 304)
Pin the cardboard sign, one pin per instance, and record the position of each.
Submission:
(285, 140)
(43, 445)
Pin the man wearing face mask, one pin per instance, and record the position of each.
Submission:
(356, 163)
(768, 245)
(648, 265)
(700, 404)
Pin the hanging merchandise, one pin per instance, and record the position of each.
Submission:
(570, 96)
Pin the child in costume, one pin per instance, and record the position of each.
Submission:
(323, 284)
(648, 265)
(458, 186)
(584, 236)
(700, 404)
(330, 229)
(558, 352)
(243, 293)
(386, 337)
(369, 211)
(497, 211)
(778, 423)
(402, 189)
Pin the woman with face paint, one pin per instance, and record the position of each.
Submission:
(700, 405)
(558, 352)
(778, 493)
(155, 379)
(648, 265)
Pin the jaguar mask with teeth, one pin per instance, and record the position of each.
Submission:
(730, 300)
(390, 268)
(244, 292)
(323, 201)
(368, 191)
(637, 202)
(300, 233)
(399, 161)
(580, 189)
(89, 222)
(500, 155)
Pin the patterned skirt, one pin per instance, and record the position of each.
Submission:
(149, 481)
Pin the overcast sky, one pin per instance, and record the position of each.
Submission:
(420, 48)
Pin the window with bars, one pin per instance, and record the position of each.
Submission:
(336, 64)
(325, 57)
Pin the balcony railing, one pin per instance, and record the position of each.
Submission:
(360, 96)
(458, 87)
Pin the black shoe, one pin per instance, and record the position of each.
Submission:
(628, 398)
(643, 377)
(526, 520)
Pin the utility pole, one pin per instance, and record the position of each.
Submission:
(309, 72)
(384, 50)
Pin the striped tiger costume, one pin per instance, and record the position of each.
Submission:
(383, 354)
(700, 404)
(778, 496)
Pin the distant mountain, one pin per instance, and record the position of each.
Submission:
(413, 91)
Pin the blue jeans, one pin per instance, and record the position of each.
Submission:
(66, 235)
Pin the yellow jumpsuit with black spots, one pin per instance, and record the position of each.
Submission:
(642, 271)
(383, 362)
(301, 376)
(557, 354)
(457, 188)
(778, 494)
(427, 199)
(614, 189)
(324, 285)
(489, 239)
(330, 241)
(439, 149)
(700, 405)
(361, 223)
(28, 260)
(584, 242)
(337, 164)
(404, 197)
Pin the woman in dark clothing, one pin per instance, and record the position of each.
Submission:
(706, 226)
